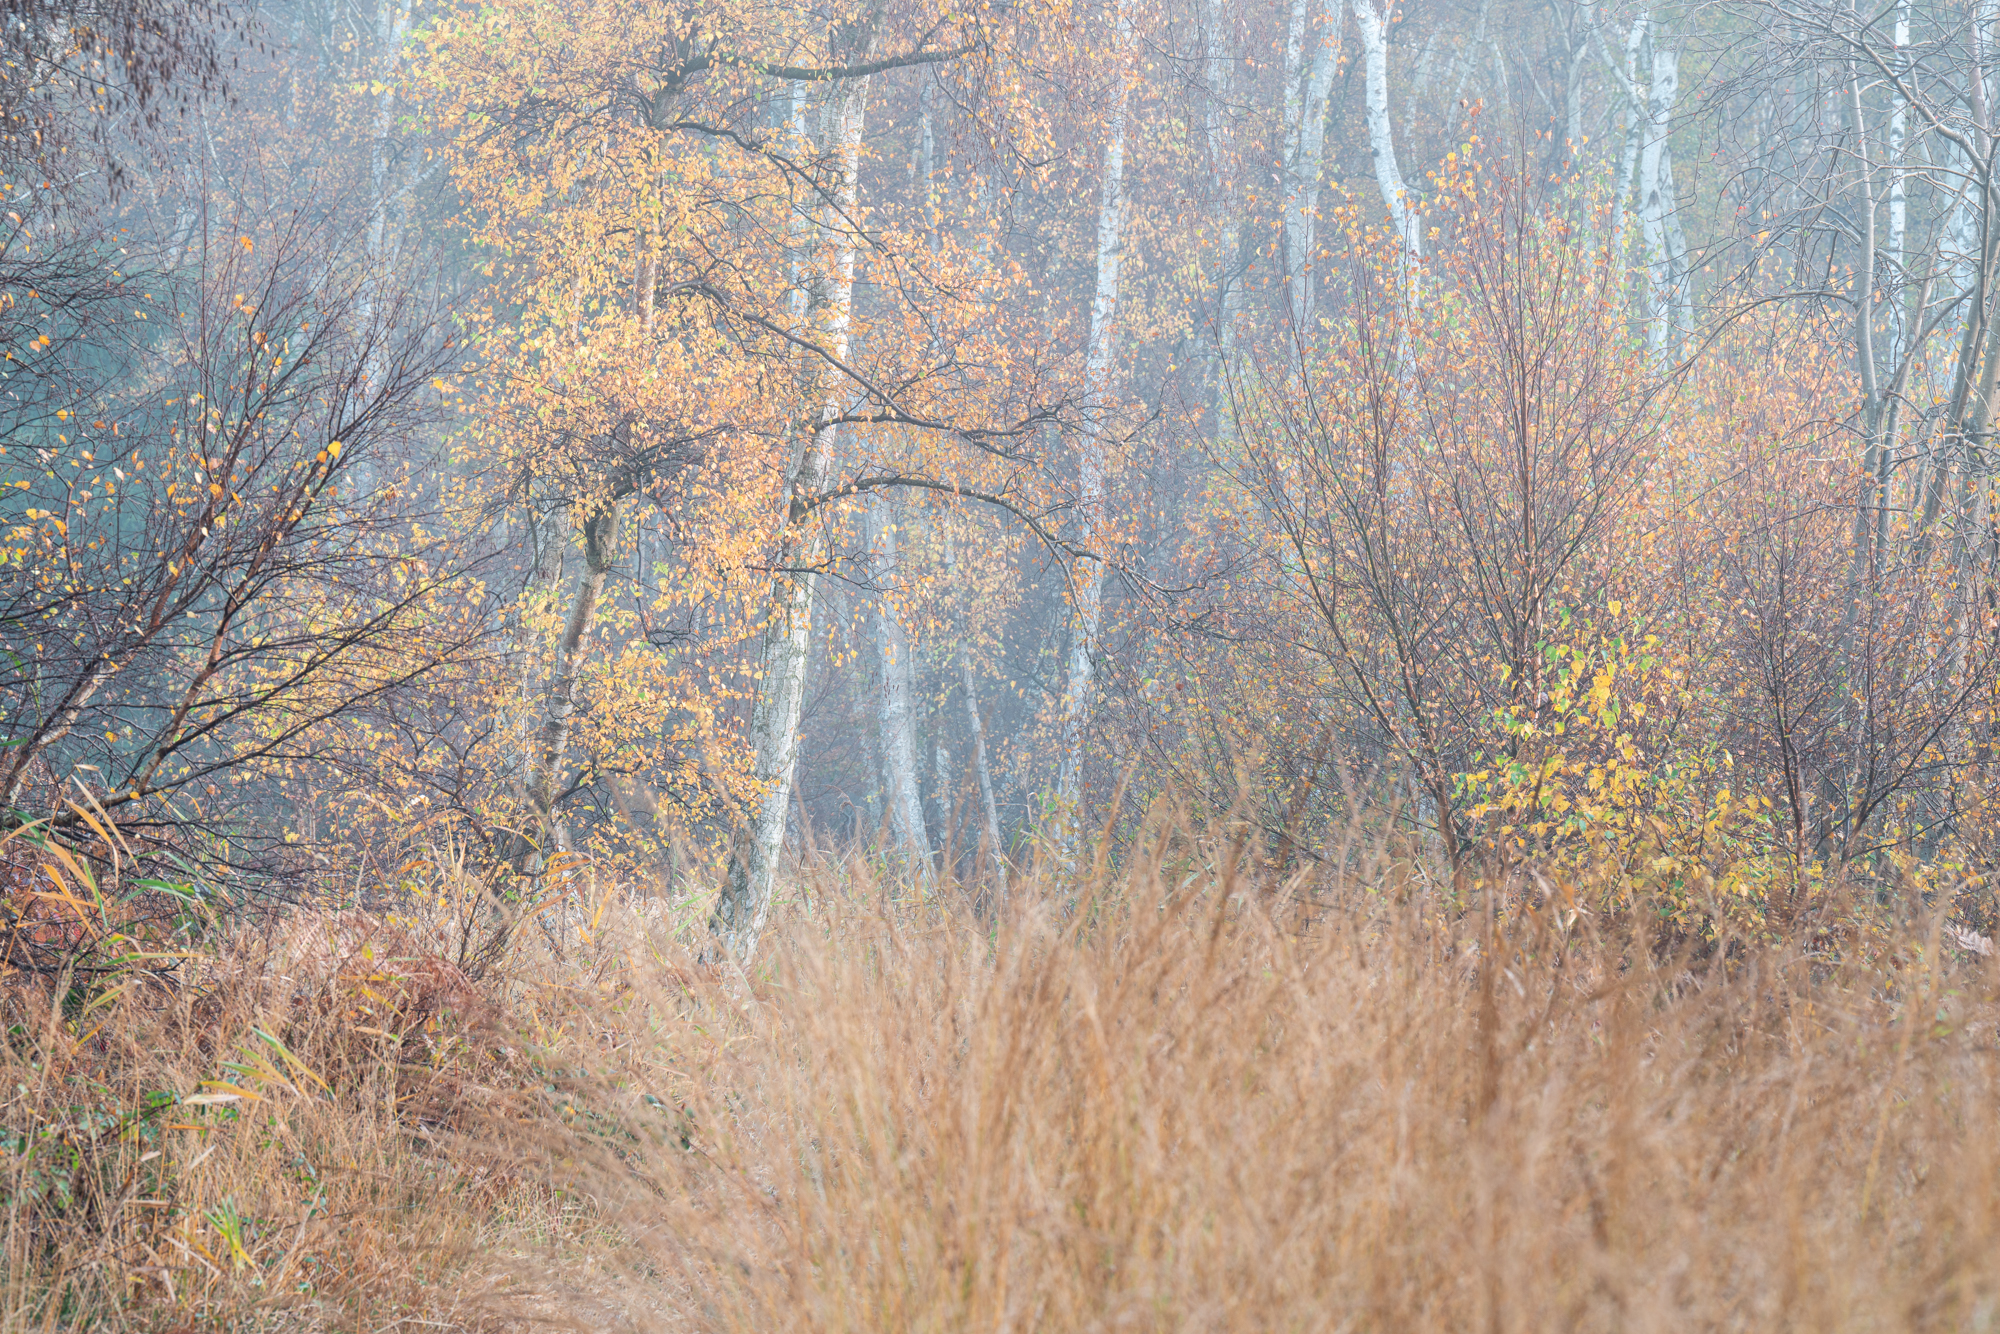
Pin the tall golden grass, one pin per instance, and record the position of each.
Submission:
(1180, 1096)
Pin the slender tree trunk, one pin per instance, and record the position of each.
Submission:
(1573, 86)
(1304, 161)
(1834, 804)
(392, 23)
(1637, 122)
(1079, 686)
(802, 213)
(897, 713)
(1899, 202)
(548, 539)
(1216, 50)
(976, 728)
(982, 769)
(1973, 370)
(1680, 290)
(1665, 252)
(745, 901)
(1864, 295)
(549, 769)
(1291, 109)
(1403, 215)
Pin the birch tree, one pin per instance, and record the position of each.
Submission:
(745, 901)
(1648, 114)
(897, 714)
(975, 726)
(1309, 81)
(1372, 23)
(1659, 208)
(1088, 572)
(1216, 59)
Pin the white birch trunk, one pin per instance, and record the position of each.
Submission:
(976, 728)
(548, 537)
(1658, 227)
(1467, 60)
(1080, 683)
(802, 221)
(1373, 27)
(392, 25)
(1899, 201)
(1304, 160)
(745, 902)
(1636, 122)
(989, 809)
(1680, 293)
(897, 711)
(1292, 109)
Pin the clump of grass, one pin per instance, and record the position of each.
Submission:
(1192, 1100)
(252, 1127)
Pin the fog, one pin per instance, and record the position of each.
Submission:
(691, 441)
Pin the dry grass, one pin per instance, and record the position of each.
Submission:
(1192, 1103)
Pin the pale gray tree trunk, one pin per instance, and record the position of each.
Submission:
(1216, 52)
(989, 810)
(549, 765)
(548, 539)
(1291, 108)
(827, 311)
(896, 711)
(1573, 85)
(392, 26)
(1860, 560)
(1305, 149)
(1079, 685)
(1636, 121)
(1403, 215)
(1659, 227)
(976, 728)
(1899, 201)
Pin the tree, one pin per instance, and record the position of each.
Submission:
(189, 598)
(1441, 478)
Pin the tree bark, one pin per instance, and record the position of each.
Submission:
(1636, 120)
(1899, 202)
(1305, 153)
(976, 729)
(827, 310)
(1573, 85)
(1665, 247)
(548, 769)
(1080, 683)
(1372, 24)
(897, 711)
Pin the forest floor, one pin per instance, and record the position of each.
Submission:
(1195, 1100)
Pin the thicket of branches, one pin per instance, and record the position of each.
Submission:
(676, 440)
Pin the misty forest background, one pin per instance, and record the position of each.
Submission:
(669, 440)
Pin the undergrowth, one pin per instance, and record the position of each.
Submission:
(1187, 1094)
